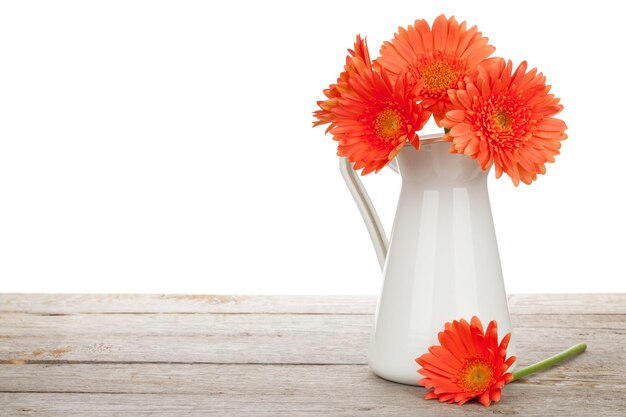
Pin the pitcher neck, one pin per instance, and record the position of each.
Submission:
(434, 163)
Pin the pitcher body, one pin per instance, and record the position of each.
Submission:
(442, 262)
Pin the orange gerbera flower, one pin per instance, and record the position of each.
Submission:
(375, 119)
(333, 92)
(504, 118)
(469, 363)
(441, 57)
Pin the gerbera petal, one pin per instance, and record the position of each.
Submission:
(421, 26)
(467, 39)
(485, 158)
(453, 38)
(464, 98)
(444, 356)
(551, 124)
(476, 366)
(548, 135)
(484, 399)
(462, 399)
(510, 361)
(472, 91)
(460, 129)
(479, 54)
(472, 147)
(434, 374)
(448, 340)
(475, 322)
(448, 124)
(440, 33)
(455, 116)
(505, 342)
(431, 396)
(495, 395)
(491, 336)
(447, 397)
(433, 362)
(455, 101)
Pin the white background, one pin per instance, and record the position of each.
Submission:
(167, 146)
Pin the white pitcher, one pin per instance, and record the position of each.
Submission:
(441, 262)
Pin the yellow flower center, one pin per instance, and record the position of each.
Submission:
(503, 120)
(388, 123)
(476, 375)
(438, 76)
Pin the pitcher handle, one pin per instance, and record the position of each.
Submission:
(363, 202)
(366, 208)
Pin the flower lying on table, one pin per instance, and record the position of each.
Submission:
(470, 363)
(490, 113)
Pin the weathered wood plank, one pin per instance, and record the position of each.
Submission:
(185, 303)
(590, 381)
(373, 398)
(20, 324)
(188, 349)
(568, 303)
(106, 356)
(181, 324)
(585, 371)
(223, 338)
(181, 303)
(256, 338)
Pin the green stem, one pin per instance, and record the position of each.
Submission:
(546, 363)
(446, 130)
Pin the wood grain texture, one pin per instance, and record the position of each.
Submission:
(293, 304)
(151, 355)
(185, 303)
(240, 379)
(369, 397)
(253, 338)
(568, 303)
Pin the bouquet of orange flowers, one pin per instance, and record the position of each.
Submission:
(491, 112)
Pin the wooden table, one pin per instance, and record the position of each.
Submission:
(201, 355)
